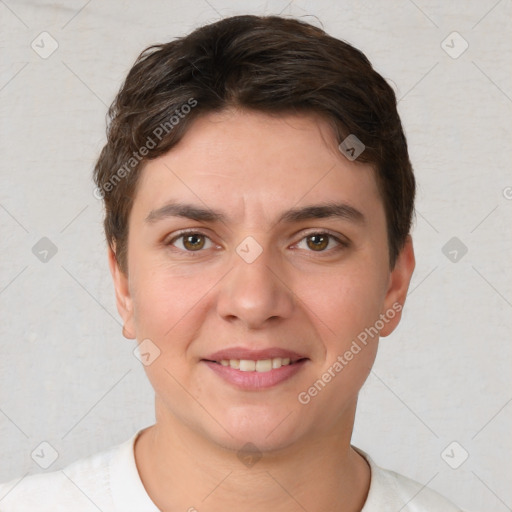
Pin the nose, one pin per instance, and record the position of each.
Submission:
(255, 293)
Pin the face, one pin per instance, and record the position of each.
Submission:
(255, 243)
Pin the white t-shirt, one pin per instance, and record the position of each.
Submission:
(109, 481)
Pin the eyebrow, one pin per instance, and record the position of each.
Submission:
(321, 211)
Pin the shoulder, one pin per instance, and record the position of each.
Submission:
(391, 491)
(82, 486)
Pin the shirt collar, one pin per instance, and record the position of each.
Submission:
(128, 492)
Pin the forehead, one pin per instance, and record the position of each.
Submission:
(251, 163)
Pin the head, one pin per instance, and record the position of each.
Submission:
(232, 133)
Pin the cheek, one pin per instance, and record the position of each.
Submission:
(164, 303)
(343, 302)
(343, 306)
(168, 311)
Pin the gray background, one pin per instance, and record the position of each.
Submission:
(69, 378)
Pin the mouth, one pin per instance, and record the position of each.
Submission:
(257, 365)
(255, 369)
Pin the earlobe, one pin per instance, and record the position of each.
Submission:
(399, 281)
(127, 334)
(123, 298)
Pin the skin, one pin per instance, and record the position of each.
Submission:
(253, 166)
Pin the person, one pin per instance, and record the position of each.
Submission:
(258, 196)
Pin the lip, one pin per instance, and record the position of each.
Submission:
(253, 355)
(256, 381)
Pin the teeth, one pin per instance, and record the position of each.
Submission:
(265, 365)
(262, 365)
(277, 362)
(246, 365)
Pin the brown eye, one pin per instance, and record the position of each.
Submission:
(322, 242)
(318, 241)
(191, 242)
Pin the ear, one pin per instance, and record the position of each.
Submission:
(396, 294)
(123, 298)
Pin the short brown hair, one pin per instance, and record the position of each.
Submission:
(264, 63)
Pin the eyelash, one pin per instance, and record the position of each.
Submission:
(342, 244)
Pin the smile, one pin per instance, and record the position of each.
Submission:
(255, 375)
(261, 365)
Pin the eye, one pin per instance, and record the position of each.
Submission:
(191, 241)
(319, 241)
(195, 241)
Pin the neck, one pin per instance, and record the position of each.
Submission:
(182, 470)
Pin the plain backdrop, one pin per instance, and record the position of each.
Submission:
(441, 387)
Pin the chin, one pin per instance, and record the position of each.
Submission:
(266, 430)
(255, 443)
